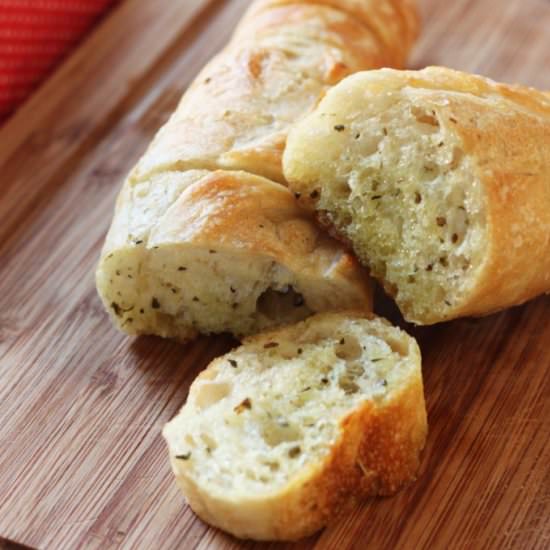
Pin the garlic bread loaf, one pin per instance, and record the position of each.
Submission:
(220, 252)
(282, 434)
(157, 274)
(439, 180)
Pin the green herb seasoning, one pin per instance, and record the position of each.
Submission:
(270, 345)
(245, 405)
(294, 452)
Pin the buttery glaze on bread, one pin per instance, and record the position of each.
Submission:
(230, 127)
(220, 251)
(281, 435)
(440, 181)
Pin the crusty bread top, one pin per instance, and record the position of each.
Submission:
(283, 57)
(395, 24)
(444, 79)
(235, 211)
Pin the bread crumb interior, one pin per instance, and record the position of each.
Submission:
(407, 196)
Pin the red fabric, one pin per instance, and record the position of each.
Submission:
(34, 36)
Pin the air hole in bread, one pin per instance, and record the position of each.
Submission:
(348, 380)
(426, 118)
(272, 465)
(279, 430)
(251, 474)
(285, 305)
(348, 348)
(397, 345)
(212, 392)
(209, 442)
(343, 189)
(430, 170)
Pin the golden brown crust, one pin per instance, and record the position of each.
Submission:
(283, 57)
(394, 23)
(510, 147)
(237, 212)
(390, 443)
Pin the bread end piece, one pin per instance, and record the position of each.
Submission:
(283, 434)
(439, 180)
(220, 251)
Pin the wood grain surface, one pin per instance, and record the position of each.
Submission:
(82, 462)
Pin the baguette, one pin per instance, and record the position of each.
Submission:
(439, 180)
(282, 434)
(229, 129)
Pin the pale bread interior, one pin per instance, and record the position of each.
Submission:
(272, 409)
(394, 180)
(173, 288)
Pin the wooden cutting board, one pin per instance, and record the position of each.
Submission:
(82, 462)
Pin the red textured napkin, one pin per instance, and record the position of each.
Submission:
(34, 36)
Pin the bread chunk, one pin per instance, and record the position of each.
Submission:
(281, 434)
(220, 252)
(439, 180)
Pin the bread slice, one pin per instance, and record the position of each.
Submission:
(280, 435)
(220, 252)
(439, 180)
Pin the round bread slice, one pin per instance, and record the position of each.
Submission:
(216, 252)
(282, 434)
(440, 181)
